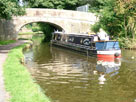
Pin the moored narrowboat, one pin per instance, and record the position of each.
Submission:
(90, 44)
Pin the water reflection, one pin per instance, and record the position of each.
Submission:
(67, 76)
(107, 67)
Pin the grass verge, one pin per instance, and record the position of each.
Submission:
(7, 42)
(26, 33)
(31, 33)
(18, 81)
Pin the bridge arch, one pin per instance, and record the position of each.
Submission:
(56, 26)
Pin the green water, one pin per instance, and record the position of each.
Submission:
(68, 76)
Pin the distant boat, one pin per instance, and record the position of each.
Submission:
(89, 44)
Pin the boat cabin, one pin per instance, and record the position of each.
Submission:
(92, 41)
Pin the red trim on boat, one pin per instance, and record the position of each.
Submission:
(109, 58)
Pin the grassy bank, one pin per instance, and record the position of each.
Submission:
(26, 33)
(18, 81)
(7, 42)
(31, 33)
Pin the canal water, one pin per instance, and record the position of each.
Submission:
(68, 76)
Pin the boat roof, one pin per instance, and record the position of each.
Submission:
(76, 34)
(107, 41)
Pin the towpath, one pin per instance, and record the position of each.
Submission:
(4, 96)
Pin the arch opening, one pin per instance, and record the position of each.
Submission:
(45, 28)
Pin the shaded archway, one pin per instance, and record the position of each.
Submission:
(55, 26)
(45, 27)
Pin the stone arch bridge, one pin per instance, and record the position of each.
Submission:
(66, 20)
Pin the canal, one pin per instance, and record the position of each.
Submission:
(67, 76)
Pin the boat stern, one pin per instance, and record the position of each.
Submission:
(108, 50)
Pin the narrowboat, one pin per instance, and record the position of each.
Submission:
(91, 44)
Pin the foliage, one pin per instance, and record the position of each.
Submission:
(56, 4)
(96, 27)
(18, 80)
(47, 29)
(127, 9)
(7, 42)
(107, 18)
(127, 42)
(29, 26)
(36, 29)
(117, 17)
(95, 5)
(9, 8)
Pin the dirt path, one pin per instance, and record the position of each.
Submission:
(3, 55)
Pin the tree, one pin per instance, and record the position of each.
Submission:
(117, 18)
(56, 4)
(9, 8)
(108, 20)
(127, 8)
(47, 29)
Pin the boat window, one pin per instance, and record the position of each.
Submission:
(70, 39)
(76, 40)
(59, 37)
(100, 45)
(92, 45)
(56, 37)
(107, 45)
(53, 36)
(81, 40)
(112, 45)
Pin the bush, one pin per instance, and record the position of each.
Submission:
(127, 42)
(35, 29)
(7, 42)
(95, 28)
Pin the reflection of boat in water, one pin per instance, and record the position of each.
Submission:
(90, 44)
(107, 67)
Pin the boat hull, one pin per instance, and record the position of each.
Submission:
(108, 55)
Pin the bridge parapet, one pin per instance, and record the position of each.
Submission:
(65, 14)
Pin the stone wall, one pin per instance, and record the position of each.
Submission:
(7, 30)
